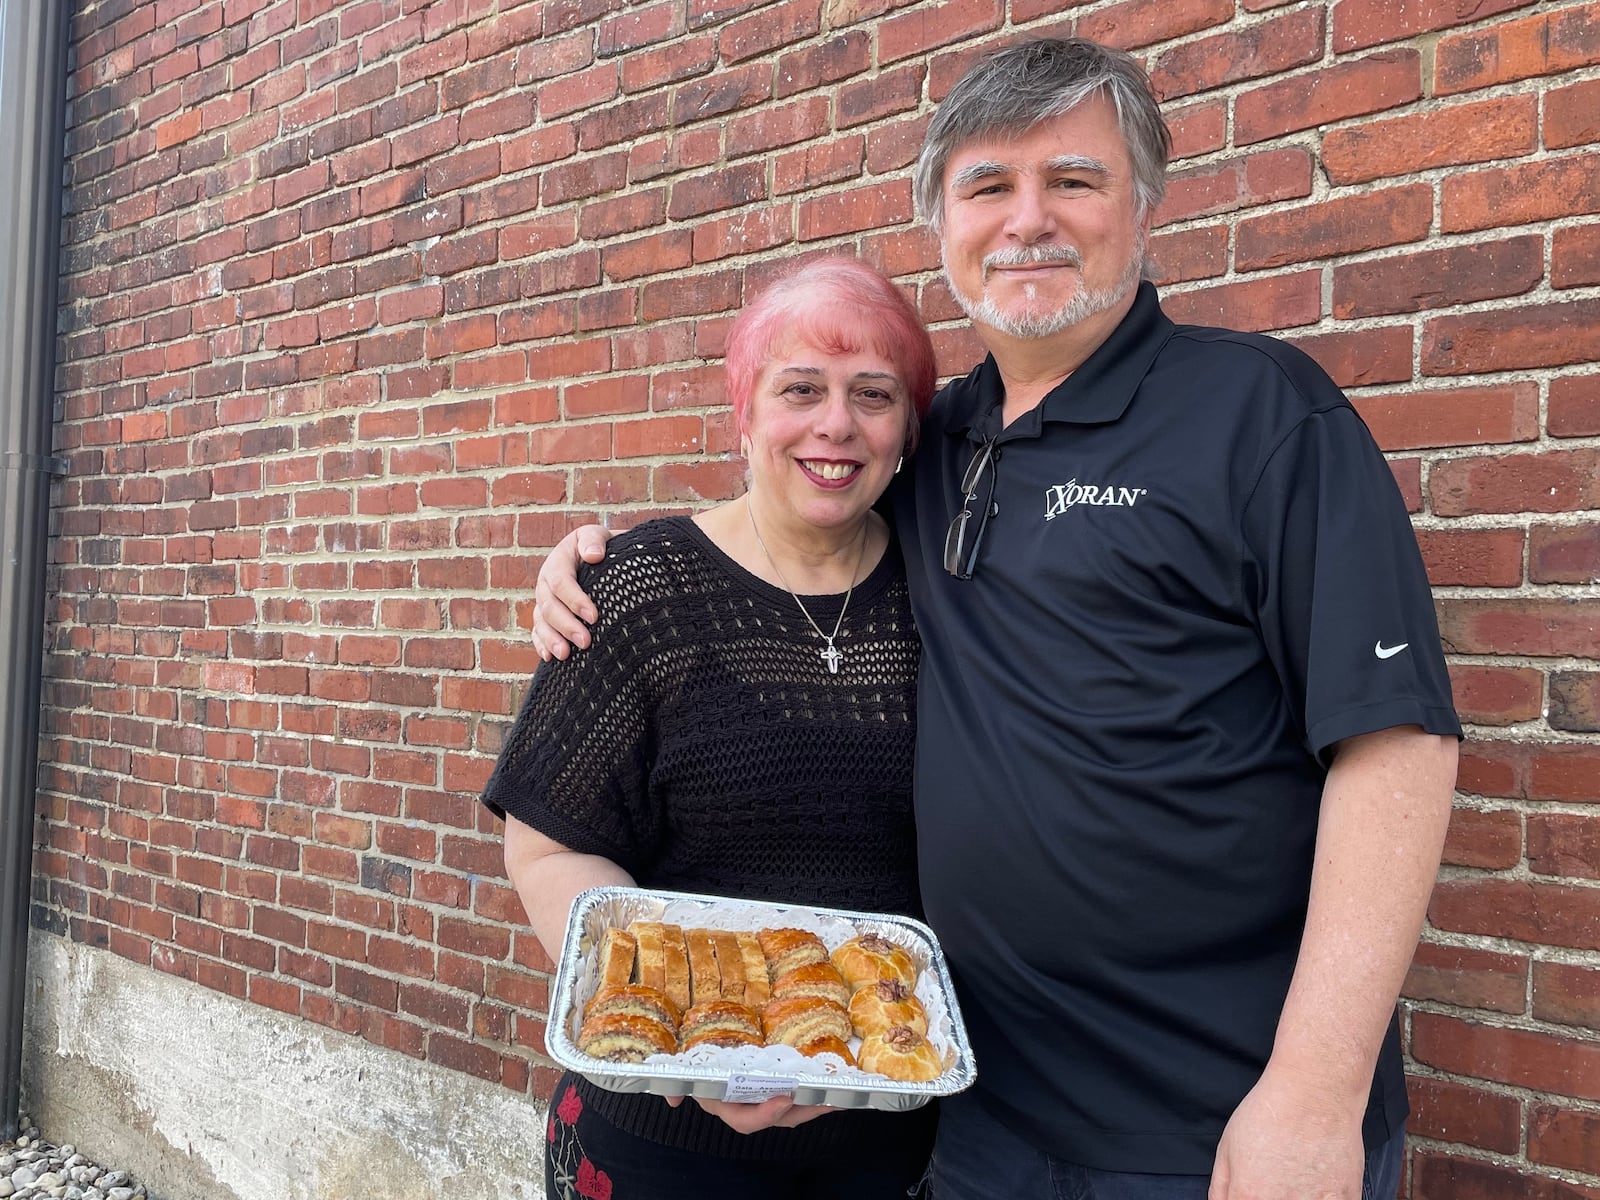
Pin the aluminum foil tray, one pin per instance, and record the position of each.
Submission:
(752, 1073)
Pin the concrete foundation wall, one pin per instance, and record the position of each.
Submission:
(206, 1097)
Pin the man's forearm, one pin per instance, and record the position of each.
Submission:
(1384, 811)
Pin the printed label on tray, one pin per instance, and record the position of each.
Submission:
(753, 1089)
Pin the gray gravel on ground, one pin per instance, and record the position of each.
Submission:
(32, 1168)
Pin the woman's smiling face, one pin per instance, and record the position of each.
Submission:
(824, 433)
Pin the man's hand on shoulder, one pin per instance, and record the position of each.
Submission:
(562, 611)
(1288, 1140)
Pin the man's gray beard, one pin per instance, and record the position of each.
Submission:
(1084, 303)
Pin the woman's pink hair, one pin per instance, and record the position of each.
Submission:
(841, 306)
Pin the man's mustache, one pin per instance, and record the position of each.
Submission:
(1024, 256)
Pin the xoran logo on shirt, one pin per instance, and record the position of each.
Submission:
(1062, 496)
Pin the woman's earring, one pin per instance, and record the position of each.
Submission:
(898, 463)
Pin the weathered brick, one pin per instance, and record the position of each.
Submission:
(1459, 417)
(627, 213)
(1502, 196)
(771, 27)
(1447, 1111)
(667, 64)
(1240, 182)
(691, 296)
(1566, 994)
(849, 12)
(585, 89)
(658, 435)
(1279, 302)
(854, 211)
(782, 125)
(1468, 978)
(623, 121)
(1197, 129)
(1381, 81)
(1497, 769)
(838, 57)
(818, 163)
(641, 27)
(1496, 695)
(1564, 1137)
(584, 178)
(1541, 335)
(1564, 553)
(1575, 256)
(927, 26)
(1143, 23)
(1294, 40)
(727, 188)
(1472, 558)
(1438, 278)
(1536, 45)
(1190, 254)
(1334, 227)
(1439, 1177)
(1537, 628)
(1565, 772)
(1574, 406)
(894, 91)
(1463, 133)
(716, 95)
(1572, 115)
(1371, 356)
(1575, 695)
(745, 233)
(657, 254)
(1491, 840)
(1564, 844)
(1547, 913)
(1358, 24)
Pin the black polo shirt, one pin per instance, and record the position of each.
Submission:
(1193, 586)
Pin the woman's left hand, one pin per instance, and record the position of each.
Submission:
(780, 1112)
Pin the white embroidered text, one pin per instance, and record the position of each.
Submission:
(1063, 496)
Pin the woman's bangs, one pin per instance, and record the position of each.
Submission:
(841, 328)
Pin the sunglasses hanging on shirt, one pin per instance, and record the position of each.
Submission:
(965, 535)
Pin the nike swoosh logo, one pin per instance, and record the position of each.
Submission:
(1383, 651)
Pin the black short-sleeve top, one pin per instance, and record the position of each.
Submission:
(1199, 576)
(702, 744)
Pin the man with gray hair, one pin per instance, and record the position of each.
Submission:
(1186, 745)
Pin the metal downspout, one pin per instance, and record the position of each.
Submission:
(33, 89)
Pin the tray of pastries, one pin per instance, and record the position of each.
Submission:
(689, 995)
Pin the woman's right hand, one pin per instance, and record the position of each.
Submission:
(562, 610)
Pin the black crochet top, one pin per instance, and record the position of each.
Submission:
(702, 745)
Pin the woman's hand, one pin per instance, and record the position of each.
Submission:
(780, 1112)
(561, 609)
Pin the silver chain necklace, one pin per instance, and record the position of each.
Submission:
(831, 654)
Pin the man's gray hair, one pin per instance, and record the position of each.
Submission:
(1015, 89)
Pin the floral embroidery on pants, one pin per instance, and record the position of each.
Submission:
(576, 1178)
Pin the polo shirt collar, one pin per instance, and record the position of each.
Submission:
(1100, 390)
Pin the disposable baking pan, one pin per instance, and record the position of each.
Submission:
(747, 1073)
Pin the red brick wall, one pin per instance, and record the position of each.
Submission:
(366, 302)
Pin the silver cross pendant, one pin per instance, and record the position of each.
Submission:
(831, 657)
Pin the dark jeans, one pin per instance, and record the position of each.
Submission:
(978, 1158)
(589, 1158)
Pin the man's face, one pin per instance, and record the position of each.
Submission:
(1040, 229)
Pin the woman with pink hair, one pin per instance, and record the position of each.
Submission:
(742, 725)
